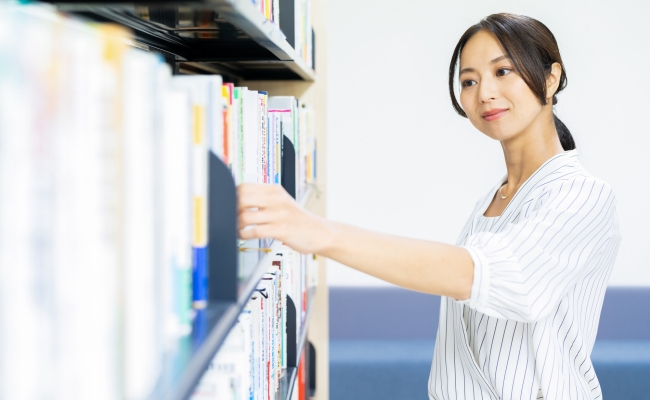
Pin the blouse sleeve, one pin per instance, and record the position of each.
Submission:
(522, 272)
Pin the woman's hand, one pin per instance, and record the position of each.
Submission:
(268, 211)
(430, 267)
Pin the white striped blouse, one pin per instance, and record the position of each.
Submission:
(540, 273)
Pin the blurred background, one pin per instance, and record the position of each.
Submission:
(401, 161)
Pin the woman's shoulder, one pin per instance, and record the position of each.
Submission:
(570, 185)
(572, 177)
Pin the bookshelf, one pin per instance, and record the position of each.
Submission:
(183, 368)
(228, 37)
(238, 43)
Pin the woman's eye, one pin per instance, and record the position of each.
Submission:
(468, 83)
(503, 71)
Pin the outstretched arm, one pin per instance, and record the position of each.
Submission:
(424, 266)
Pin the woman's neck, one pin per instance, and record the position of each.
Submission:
(526, 152)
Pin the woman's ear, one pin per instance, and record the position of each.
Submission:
(553, 81)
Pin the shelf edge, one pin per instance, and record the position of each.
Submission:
(303, 338)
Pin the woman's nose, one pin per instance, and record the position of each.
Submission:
(487, 90)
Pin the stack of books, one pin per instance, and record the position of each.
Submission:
(254, 356)
(103, 186)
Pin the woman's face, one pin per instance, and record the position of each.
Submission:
(494, 96)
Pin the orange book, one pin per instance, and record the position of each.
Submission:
(226, 93)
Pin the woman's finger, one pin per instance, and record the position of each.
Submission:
(249, 217)
(249, 233)
(256, 232)
(250, 195)
(261, 197)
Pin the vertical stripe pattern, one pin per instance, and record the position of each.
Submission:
(540, 274)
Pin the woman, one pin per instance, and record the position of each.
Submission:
(523, 288)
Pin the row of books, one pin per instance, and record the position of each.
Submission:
(300, 29)
(248, 134)
(103, 186)
(254, 357)
(269, 8)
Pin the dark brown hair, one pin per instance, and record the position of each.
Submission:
(532, 48)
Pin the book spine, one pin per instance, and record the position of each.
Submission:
(215, 116)
(265, 346)
(300, 384)
(141, 368)
(177, 226)
(276, 11)
(231, 124)
(263, 134)
(260, 128)
(252, 126)
(225, 145)
(256, 345)
(269, 151)
(278, 149)
(238, 99)
(199, 207)
(236, 135)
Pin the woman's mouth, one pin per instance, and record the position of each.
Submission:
(494, 114)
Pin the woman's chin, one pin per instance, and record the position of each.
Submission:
(498, 134)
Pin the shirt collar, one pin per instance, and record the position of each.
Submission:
(549, 167)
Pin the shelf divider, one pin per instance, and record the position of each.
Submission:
(222, 232)
(288, 166)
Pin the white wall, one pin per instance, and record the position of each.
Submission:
(401, 161)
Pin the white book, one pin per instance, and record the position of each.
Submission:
(255, 305)
(19, 308)
(286, 106)
(177, 220)
(265, 340)
(285, 287)
(268, 282)
(223, 378)
(97, 256)
(251, 137)
(271, 148)
(247, 359)
(141, 364)
(299, 27)
(276, 12)
(308, 36)
(198, 89)
(285, 109)
(262, 118)
(236, 123)
(274, 274)
(198, 92)
(278, 150)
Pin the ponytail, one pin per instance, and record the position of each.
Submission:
(563, 133)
